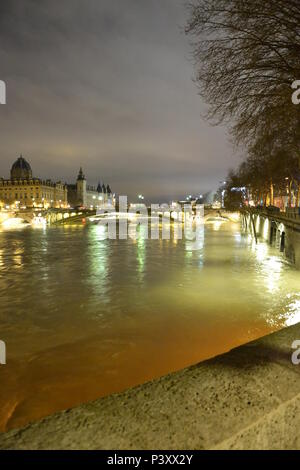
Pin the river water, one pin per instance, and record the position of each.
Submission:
(83, 317)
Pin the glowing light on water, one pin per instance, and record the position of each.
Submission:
(266, 228)
(217, 225)
(14, 223)
(257, 224)
(101, 232)
(261, 250)
(273, 267)
(270, 266)
(216, 222)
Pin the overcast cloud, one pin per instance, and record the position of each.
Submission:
(106, 84)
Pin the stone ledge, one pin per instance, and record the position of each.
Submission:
(248, 398)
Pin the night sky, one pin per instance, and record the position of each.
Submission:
(107, 84)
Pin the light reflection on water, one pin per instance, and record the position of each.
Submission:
(83, 316)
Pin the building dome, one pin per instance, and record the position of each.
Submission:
(21, 169)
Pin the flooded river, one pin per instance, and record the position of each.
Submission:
(83, 317)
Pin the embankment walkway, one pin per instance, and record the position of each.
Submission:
(248, 398)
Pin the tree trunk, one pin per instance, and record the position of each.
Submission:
(298, 195)
(290, 193)
(271, 194)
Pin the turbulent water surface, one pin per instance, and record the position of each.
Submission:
(83, 317)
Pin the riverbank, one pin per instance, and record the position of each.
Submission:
(248, 398)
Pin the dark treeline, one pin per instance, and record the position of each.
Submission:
(247, 55)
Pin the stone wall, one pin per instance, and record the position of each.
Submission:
(248, 398)
(284, 234)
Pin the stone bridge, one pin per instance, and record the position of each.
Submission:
(279, 229)
(76, 216)
(52, 216)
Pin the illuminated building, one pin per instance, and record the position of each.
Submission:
(81, 194)
(24, 190)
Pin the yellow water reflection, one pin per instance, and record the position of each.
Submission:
(83, 316)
